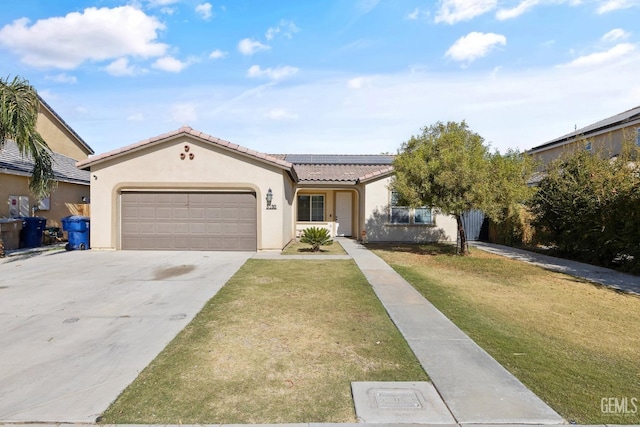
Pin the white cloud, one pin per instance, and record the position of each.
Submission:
(514, 12)
(137, 117)
(475, 45)
(281, 114)
(277, 73)
(366, 6)
(249, 46)
(170, 64)
(168, 10)
(157, 3)
(416, 14)
(611, 5)
(184, 113)
(599, 58)
(359, 82)
(92, 35)
(218, 54)
(452, 11)
(63, 78)
(120, 68)
(204, 10)
(286, 28)
(615, 35)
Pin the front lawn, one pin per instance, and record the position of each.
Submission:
(280, 343)
(573, 343)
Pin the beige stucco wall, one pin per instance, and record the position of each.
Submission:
(65, 200)
(606, 144)
(376, 220)
(159, 167)
(58, 137)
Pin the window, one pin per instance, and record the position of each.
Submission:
(638, 137)
(406, 215)
(588, 146)
(311, 207)
(399, 214)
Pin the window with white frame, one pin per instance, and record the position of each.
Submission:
(311, 207)
(406, 215)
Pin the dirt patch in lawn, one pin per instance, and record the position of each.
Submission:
(280, 343)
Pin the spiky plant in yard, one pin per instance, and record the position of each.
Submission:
(316, 237)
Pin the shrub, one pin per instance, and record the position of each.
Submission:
(316, 237)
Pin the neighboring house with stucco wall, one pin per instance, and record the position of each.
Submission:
(604, 137)
(186, 190)
(71, 195)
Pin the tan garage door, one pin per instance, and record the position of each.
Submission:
(189, 221)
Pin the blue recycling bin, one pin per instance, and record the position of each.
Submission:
(31, 233)
(77, 228)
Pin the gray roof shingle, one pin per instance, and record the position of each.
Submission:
(338, 159)
(64, 168)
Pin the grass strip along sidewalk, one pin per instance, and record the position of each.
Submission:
(280, 343)
(574, 344)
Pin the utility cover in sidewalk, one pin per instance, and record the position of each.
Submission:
(399, 402)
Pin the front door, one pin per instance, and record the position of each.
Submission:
(344, 201)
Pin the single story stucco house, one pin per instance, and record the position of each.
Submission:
(186, 190)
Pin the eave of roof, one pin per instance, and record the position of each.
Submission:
(187, 130)
(64, 169)
(625, 118)
(69, 128)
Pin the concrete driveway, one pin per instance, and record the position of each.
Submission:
(77, 327)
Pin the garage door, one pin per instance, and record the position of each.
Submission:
(189, 221)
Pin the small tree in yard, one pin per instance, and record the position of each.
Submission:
(316, 237)
(448, 167)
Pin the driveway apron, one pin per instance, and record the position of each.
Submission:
(77, 327)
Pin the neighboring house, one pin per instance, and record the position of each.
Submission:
(605, 136)
(72, 193)
(187, 190)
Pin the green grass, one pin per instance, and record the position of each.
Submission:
(277, 344)
(571, 342)
(297, 248)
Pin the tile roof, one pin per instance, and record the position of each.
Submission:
(64, 168)
(186, 130)
(338, 159)
(339, 173)
(619, 119)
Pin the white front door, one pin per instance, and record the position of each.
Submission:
(344, 200)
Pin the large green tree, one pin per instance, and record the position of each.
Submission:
(449, 167)
(19, 106)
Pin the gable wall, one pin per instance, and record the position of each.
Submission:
(57, 137)
(160, 168)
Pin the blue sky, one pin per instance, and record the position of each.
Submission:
(332, 76)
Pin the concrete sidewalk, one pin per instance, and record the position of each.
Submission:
(603, 276)
(476, 388)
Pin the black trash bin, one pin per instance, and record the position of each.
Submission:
(77, 228)
(31, 233)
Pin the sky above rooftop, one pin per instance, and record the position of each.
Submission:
(331, 76)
